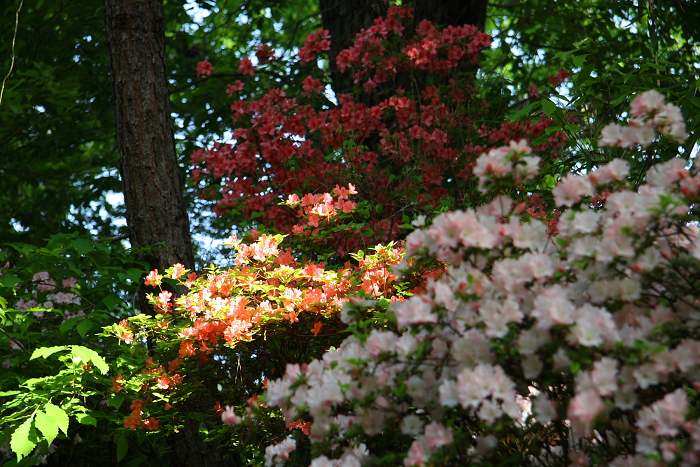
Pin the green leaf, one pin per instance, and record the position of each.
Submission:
(44, 352)
(89, 355)
(111, 300)
(619, 99)
(58, 416)
(8, 280)
(523, 111)
(116, 399)
(134, 274)
(548, 106)
(83, 246)
(65, 327)
(86, 419)
(22, 440)
(122, 445)
(47, 426)
(579, 59)
(552, 129)
(84, 327)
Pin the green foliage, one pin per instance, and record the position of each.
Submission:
(54, 375)
(614, 50)
(58, 160)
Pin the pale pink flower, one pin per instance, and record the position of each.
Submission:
(665, 416)
(437, 435)
(490, 411)
(543, 409)
(604, 376)
(645, 135)
(322, 461)
(553, 306)
(229, 417)
(610, 135)
(594, 326)
(646, 375)
(417, 309)
(373, 421)
(571, 189)
(646, 102)
(380, 341)
(277, 454)
(418, 453)
(614, 171)
(411, 425)
(687, 354)
(667, 173)
(585, 407)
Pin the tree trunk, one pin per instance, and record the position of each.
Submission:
(151, 178)
(344, 19)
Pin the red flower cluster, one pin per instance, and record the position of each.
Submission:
(405, 153)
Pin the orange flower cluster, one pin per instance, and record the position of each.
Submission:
(134, 420)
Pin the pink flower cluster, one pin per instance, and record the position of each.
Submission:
(652, 116)
(60, 295)
(513, 160)
(597, 325)
(277, 454)
(313, 208)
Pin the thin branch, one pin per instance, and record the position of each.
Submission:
(21, 347)
(14, 40)
(113, 239)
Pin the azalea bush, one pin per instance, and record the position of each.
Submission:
(550, 321)
(574, 348)
(406, 135)
(235, 328)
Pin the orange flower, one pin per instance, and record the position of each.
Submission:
(164, 382)
(151, 424)
(132, 421)
(153, 279)
(137, 405)
(317, 328)
(117, 383)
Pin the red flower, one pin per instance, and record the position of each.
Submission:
(204, 68)
(234, 88)
(264, 54)
(246, 67)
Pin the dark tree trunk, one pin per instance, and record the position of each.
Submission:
(345, 18)
(450, 12)
(151, 179)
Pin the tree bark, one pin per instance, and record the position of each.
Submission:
(151, 179)
(344, 19)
